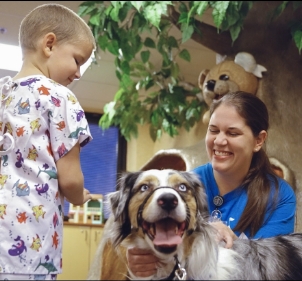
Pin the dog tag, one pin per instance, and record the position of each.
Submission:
(181, 274)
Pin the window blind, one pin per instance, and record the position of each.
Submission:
(102, 159)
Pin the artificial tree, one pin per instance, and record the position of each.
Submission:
(270, 30)
(156, 94)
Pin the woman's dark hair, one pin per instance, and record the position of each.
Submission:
(258, 180)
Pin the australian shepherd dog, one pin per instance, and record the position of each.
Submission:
(166, 212)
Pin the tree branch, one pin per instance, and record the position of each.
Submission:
(210, 38)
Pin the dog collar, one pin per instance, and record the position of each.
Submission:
(178, 272)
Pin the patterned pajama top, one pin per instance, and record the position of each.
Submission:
(40, 121)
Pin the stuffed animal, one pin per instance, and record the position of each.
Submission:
(242, 74)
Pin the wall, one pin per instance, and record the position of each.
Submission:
(142, 149)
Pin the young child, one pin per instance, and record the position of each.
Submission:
(40, 141)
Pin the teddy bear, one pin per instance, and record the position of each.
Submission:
(242, 74)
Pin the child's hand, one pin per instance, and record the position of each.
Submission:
(86, 195)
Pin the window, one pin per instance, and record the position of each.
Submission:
(102, 160)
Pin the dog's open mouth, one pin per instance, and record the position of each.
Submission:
(165, 233)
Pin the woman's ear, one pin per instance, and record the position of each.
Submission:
(49, 40)
(260, 140)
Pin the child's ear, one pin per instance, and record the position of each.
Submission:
(49, 41)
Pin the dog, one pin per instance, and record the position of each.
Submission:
(166, 212)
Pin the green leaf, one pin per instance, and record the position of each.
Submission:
(149, 84)
(118, 94)
(232, 16)
(127, 50)
(187, 31)
(172, 42)
(190, 113)
(103, 41)
(138, 65)
(149, 43)
(153, 133)
(154, 118)
(123, 12)
(114, 13)
(235, 30)
(154, 12)
(108, 10)
(183, 8)
(297, 35)
(109, 109)
(183, 17)
(138, 4)
(201, 8)
(113, 47)
(82, 10)
(174, 70)
(118, 75)
(86, 8)
(126, 81)
(145, 55)
(184, 54)
(104, 122)
(279, 9)
(95, 19)
(219, 11)
(125, 67)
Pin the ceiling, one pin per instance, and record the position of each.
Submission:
(98, 84)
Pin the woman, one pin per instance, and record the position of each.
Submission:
(246, 199)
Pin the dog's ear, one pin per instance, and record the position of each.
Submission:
(119, 202)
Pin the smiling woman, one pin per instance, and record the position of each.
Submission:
(239, 178)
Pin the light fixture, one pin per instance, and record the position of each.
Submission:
(11, 58)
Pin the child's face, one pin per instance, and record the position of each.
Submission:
(65, 61)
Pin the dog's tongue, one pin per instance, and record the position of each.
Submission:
(166, 233)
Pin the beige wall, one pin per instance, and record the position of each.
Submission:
(142, 149)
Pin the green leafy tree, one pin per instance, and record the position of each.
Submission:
(155, 93)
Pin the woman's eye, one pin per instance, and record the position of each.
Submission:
(213, 131)
(144, 187)
(233, 134)
(77, 63)
(182, 187)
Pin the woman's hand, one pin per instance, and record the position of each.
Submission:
(224, 233)
(142, 263)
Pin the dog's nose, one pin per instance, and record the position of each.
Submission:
(167, 201)
(210, 85)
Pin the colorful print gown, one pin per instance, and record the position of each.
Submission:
(40, 121)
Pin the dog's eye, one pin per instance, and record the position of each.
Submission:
(182, 187)
(224, 77)
(144, 187)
